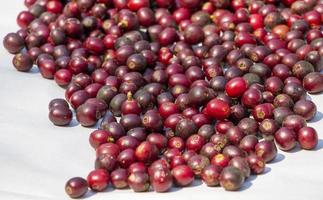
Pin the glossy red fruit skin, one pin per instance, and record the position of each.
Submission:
(176, 161)
(99, 137)
(200, 119)
(185, 128)
(29, 3)
(126, 158)
(190, 112)
(169, 154)
(157, 139)
(218, 109)
(137, 167)
(242, 164)
(167, 37)
(234, 135)
(244, 38)
(198, 163)
(94, 45)
(313, 17)
(77, 65)
(313, 82)
(193, 34)
(93, 90)
(146, 152)
(223, 126)
(161, 180)
(63, 77)
(220, 160)
(146, 16)
(274, 85)
(168, 108)
(164, 3)
(57, 102)
(24, 18)
(130, 106)
(248, 125)
(285, 139)
(195, 142)
(54, 7)
(78, 98)
(188, 154)
(76, 187)
(260, 34)
(135, 5)
(232, 151)
(60, 115)
(312, 35)
(268, 97)
(251, 98)
(165, 55)
(14, 43)
(47, 68)
(256, 163)
(294, 122)
(139, 181)
(180, 14)
(189, 3)
(307, 138)
(248, 143)
(158, 164)
(231, 178)
(305, 108)
(208, 7)
(176, 142)
(172, 120)
(267, 150)
(106, 162)
(178, 79)
(183, 175)
(206, 131)
(236, 87)
(263, 111)
(152, 121)
(108, 148)
(98, 180)
(70, 90)
(210, 175)
(119, 178)
(256, 21)
(87, 115)
(127, 142)
(109, 41)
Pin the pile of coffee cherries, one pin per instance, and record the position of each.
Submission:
(183, 89)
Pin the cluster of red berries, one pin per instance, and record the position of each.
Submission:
(184, 89)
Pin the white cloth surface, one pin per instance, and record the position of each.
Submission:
(37, 158)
